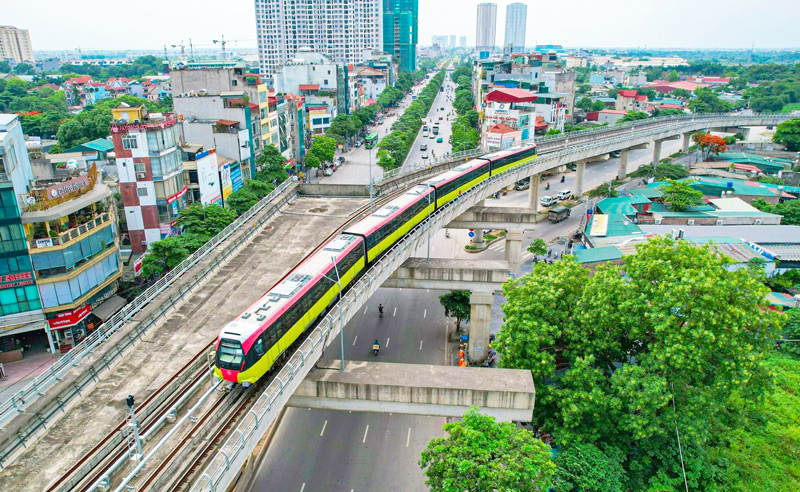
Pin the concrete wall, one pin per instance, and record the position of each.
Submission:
(343, 190)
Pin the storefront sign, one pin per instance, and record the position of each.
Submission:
(137, 266)
(69, 318)
(16, 280)
(177, 195)
(144, 126)
(44, 243)
(67, 187)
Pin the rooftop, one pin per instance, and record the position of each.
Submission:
(593, 255)
(611, 225)
(511, 95)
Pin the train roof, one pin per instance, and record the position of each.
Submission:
(387, 212)
(506, 152)
(281, 296)
(454, 173)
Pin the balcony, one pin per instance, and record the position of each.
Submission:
(51, 193)
(77, 227)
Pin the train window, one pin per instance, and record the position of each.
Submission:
(230, 355)
(273, 335)
(259, 346)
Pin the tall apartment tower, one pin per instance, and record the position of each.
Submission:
(487, 20)
(340, 29)
(15, 44)
(462, 42)
(400, 20)
(452, 41)
(516, 20)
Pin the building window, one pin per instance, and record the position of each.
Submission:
(129, 142)
(141, 191)
(139, 167)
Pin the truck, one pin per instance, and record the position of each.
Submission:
(557, 214)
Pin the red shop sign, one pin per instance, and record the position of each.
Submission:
(177, 195)
(69, 318)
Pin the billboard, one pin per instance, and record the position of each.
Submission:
(236, 177)
(208, 178)
(225, 180)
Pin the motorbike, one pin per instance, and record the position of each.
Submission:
(447, 233)
(376, 349)
(547, 186)
(563, 178)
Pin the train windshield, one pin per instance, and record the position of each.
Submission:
(230, 355)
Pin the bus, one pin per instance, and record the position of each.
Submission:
(371, 140)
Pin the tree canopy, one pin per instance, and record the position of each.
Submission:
(680, 195)
(709, 144)
(456, 305)
(669, 339)
(482, 455)
(788, 134)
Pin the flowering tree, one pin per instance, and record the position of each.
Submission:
(709, 144)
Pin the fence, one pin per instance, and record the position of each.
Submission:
(20, 400)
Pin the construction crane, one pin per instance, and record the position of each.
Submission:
(183, 49)
(222, 41)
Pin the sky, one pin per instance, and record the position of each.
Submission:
(149, 24)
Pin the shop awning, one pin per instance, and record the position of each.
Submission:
(109, 307)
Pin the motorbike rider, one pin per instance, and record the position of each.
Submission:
(376, 347)
(380, 310)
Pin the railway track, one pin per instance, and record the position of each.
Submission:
(176, 470)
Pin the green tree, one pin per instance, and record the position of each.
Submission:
(163, 256)
(538, 247)
(707, 101)
(271, 157)
(585, 468)
(611, 354)
(788, 134)
(663, 172)
(207, 220)
(482, 455)
(680, 195)
(605, 189)
(312, 160)
(672, 76)
(553, 131)
(242, 200)
(598, 106)
(585, 104)
(385, 160)
(682, 93)
(456, 305)
(633, 116)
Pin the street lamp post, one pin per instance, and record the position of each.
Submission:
(338, 282)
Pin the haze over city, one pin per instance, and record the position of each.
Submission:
(576, 23)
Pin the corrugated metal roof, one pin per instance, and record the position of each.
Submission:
(784, 252)
(592, 255)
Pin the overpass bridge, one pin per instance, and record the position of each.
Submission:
(554, 152)
(225, 465)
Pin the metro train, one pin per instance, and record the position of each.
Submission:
(250, 345)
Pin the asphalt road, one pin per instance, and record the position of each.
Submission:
(324, 450)
(414, 157)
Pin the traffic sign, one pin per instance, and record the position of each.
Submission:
(471, 234)
(471, 230)
(589, 211)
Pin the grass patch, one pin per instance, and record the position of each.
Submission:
(470, 247)
(788, 108)
(489, 237)
(677, 154)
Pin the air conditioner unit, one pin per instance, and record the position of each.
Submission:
(690, 222)
(758, 221)
(658, 221)
(141, 175)
(719, 222)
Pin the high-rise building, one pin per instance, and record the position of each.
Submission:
(15, 45)
(487, 20)
(400, 19)
(452, 41)
(341, 30)
(440, 40)
(463, 42)
(516, 20)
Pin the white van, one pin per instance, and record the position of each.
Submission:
(564, 195)
(547, 201)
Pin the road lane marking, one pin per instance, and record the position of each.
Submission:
(387, 342)
(354, 340)
(420, 344)
(323, 428)
(365, 309)
(365, 434)
(408, 436)
(303, 487)
(394, 313)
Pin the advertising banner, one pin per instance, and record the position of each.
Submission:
(208, 178)
(69, 318)
(236, 178)
(225, 181)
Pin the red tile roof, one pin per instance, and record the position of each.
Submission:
(510, 95)
(641, 98)
(613, 111)
(227, 122)
(368, 71)
(539, 125)
(501, 128)
(309, 87)
(627, 93)
(83, 79)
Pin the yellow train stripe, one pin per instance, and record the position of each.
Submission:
(389, 240)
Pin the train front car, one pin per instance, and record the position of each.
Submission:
(250, 345)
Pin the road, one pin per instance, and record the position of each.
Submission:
(360, 161)
(325, 450)
(414, 157)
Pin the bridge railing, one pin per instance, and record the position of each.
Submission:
(31, 392)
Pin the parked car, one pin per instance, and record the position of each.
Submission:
(547, 201)
(439, 140)
(441, 117)
(423, 147)
(442, 108)
(564, 194)
(425, 155)
(358, 143)
(522, 184)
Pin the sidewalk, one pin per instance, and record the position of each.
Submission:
(19, 374)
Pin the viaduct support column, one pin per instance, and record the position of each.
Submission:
(656, 151)
(581, 167)
(513, 251)
(478, 239)
(623, 164)
(687, 139)
(533, 192)
(479, 323)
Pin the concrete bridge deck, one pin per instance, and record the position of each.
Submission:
(448, 391)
